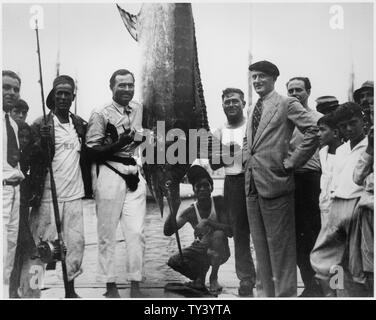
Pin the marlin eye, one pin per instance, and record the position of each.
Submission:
(168, 183)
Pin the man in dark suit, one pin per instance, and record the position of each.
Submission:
(269, 180)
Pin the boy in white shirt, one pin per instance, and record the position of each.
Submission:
(329, 142)
(330, 248)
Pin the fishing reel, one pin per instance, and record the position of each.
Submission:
(49, 251)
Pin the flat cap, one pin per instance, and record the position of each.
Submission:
(368, 85)
(63, 79)
(266, 67)
(326, 104)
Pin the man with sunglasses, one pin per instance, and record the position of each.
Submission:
(211, 229)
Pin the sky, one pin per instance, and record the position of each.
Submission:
(92, 43)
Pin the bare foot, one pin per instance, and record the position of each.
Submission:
(215, 287)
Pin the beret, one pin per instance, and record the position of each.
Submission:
(266, 67)
(196, 172)
(326, 104)
(63, 79)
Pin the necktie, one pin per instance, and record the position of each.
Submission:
(13, 153)
(257, 112)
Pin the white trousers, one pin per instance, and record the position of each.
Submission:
(43, 226)
(11, 214)
(115, 203)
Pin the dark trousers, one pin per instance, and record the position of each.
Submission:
(235, 202)
(307, 221)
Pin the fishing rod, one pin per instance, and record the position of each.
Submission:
(61, 246)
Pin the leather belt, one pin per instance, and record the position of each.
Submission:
(11, 183)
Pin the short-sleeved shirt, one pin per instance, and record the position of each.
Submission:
(65, 164)
(122, 118)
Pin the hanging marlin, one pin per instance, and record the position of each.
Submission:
(171, 85)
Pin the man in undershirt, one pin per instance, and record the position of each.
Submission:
(233, 133)
(211, 228)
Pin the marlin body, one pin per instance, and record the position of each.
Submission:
(171, 85)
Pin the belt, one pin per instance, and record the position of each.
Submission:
(11, 183)
(235, 175)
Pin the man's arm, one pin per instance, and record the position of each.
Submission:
(181, 220)
(216, 153)
(219, 226)
(95, 139)
(306, 122)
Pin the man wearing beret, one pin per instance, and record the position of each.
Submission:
(64, 137)
(307, 192)
(269, 182)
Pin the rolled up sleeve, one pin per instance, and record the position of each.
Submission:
(96, 130)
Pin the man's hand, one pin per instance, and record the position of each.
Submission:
(287, 164)
(202, 228)
(46, 132)
(126, 138)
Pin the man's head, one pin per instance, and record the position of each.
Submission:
(62, 95)
(201, 182)
(326, 104)
(11, 89)
(264, 75)
(328, 130)
(364, 97)
(19, 111)
(25, 135)
(350, 122)
(300, 88)
(122, 86)
(233, 103)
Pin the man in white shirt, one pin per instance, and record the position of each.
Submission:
(12, 175)
(120, 189)
(330, 248)
(230, 134)
(64, 137)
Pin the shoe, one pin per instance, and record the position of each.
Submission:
(245, 291)
(112, 294)
(74, 295)
(314, 290)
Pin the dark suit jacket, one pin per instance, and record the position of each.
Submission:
(266, 152)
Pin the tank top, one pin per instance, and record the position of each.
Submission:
(212, 215)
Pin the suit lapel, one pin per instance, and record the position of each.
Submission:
(270, 108)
